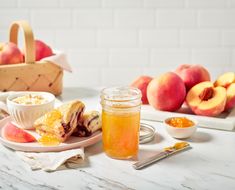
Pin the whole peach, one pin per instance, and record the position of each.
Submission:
(192, 74)
(167, 92)
(10, 54)
(142, 83)
(42, 50)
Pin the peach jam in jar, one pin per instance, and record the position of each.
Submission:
(121, 121)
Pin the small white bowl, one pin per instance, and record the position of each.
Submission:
(25, 115)
(179, 132)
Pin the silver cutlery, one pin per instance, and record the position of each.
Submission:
(178, 147)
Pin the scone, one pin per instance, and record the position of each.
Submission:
(61, 122)
(88, 123)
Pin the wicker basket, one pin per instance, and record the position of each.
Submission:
(31, 75)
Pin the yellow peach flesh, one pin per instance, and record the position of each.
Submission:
(230, 103)
(193, 95)
(226, 79)
(211, 107)
(219, 96)
(231, 91)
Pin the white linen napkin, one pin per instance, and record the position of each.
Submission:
(60, 59)
(47, 161)
(51, 161)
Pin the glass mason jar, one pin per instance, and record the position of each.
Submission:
(121, 121)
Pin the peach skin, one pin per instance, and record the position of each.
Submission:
(42, 50)
(10, 54)
(142, 83)
(192, 74)
(15, 134)
(167, 92)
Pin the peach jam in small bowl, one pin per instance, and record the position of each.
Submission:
(180, 127)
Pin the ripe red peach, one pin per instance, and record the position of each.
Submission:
(192, 74)
(42, 50)
(142, 83)
(167, 92)
(15, 134)
(207, 100)
(10, 54)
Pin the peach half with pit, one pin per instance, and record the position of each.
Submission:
(166, 92)
(207, 100)
(142, 83)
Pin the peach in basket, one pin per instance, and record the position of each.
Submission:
(26, 107)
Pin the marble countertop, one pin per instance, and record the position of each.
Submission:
(210, 164)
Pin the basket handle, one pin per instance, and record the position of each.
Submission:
(28, 39)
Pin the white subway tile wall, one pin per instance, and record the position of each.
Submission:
(111, 42)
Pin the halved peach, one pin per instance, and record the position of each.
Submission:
(230, 103)
(15, 134)
(225, 79)
(207, 100)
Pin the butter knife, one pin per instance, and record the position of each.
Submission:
(167, 152)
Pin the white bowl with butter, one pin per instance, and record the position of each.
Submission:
(26, 107)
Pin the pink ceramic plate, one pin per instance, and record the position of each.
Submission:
(72, 142)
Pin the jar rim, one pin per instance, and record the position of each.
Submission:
(120, 94)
